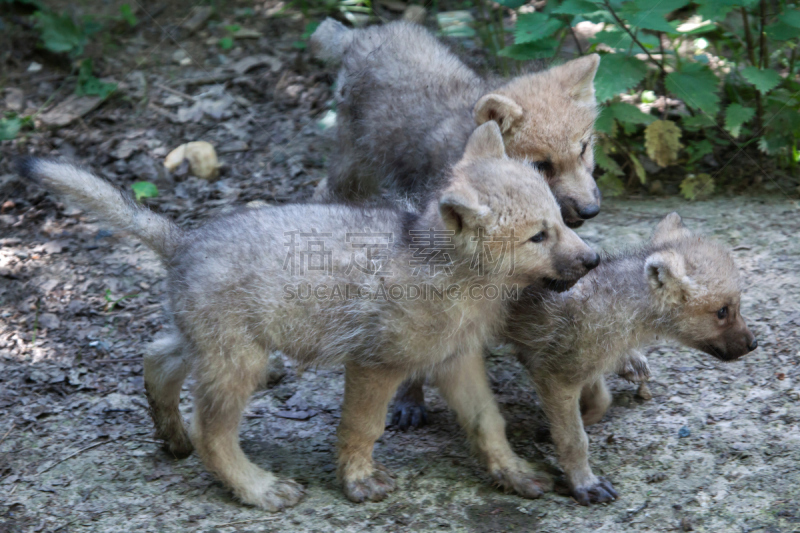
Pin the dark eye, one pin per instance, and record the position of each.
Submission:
(539, 237)
(722, 314)
(545, 167)
(583, 148)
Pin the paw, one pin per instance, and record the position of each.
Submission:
(635, 369)
(374, 487)
(179, 447)
(599, 492)
(409, 414)
(523, 480)
(275, 496)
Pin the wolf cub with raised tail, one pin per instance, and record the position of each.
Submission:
(241, 287)
(679, 286)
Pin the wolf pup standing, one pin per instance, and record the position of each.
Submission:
(231, 286)
(679, 286)
(406, 106)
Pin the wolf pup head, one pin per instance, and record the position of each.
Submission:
(503, 212)
(547, 119)
(698, 282)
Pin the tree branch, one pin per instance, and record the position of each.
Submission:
(622, 25)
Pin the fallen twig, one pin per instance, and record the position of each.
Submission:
(266, 519)
(95, 445)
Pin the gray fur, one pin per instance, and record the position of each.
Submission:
(670, 288)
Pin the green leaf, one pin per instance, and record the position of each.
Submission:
(698, 122)
(764, 80)
(630, 113)
(605, 121)
(697, 187)
(650, 15)
(699, 149)
(772, 144)
(127, 15)
(512, 4)
(619, 40)
(144, 189)
(780, 31)
(575, 7)
(540, 49)
(717, 9)
(60, 33)
(9, 127)
(605, 162)
(535, 26)
(791, 18)
(610, 185)
(233, 28)
(697, 86)
(617, 74)
(736, 116)
(89, 85)
(226, 43)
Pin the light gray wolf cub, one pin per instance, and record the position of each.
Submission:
(406, 106)
(679, 286)
(240, 287)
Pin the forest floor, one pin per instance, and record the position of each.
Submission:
(78, 302)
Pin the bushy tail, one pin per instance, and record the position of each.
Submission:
(330, 40)
(99, 196)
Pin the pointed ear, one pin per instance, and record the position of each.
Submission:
(485, 142)
(501, 109)
(666, 275)
(670, 229)
(460, 209)
(577, 76)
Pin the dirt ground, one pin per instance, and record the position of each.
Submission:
(717, 448)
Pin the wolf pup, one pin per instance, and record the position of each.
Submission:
(680, 286)
(236, 294)
(406, 106)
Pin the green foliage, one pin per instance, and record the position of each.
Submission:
(144, 189)
(127, 15)
(112, 302)
(697, 186)
(729, 83)
(59, 33)
(9, 128)
(302, 44)
(91, 86)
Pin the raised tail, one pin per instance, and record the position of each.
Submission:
(99, 196)
(330, 40)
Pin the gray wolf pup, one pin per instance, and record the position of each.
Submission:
(234, 298)
(679, 286)
(406, 106)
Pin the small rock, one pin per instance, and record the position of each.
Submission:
(179, 55)
(234, 146)
(643, 392)
(684, 432)
(198, 17)
(146, 169)
(34, 67)
(201, 156)
(172, 101)
(49, 321)
(15, 99)
(125, 149)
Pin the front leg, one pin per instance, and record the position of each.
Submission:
(465, 387)
(367, 392)
(634, 367)
(561, 403)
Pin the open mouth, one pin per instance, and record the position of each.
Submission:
(559, 285)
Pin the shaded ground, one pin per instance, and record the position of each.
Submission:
(76, 447)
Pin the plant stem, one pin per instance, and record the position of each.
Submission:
(501, 37)
(762, 37)
(662, 75)
(622, 25)
(751, 52)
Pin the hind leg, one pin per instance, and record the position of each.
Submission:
(224, 386)
(595, 401)
(165, 368)
(367, 393)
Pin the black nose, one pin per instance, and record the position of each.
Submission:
(591, 261)
(753, 345)
(590, 211)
